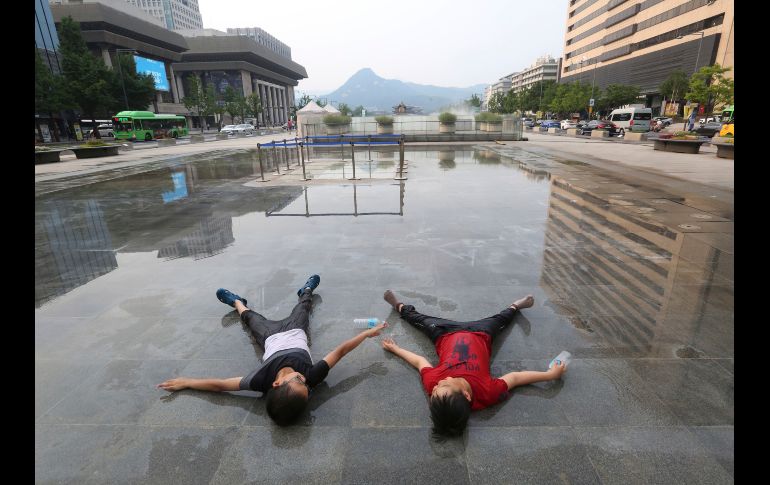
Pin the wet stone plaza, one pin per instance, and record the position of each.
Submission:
(631, 273)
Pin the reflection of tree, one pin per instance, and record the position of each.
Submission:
(72, 247)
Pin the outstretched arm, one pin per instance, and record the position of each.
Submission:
(417, 361)
(522, 378)
(216, 385)
(335, 355)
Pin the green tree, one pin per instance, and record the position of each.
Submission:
(344, 109)
(675, 85)
(140, 87)
(495, 104)
(234, 104)
(48, 95)
(474, 101)
(569, 98)
(358, 110)
(617, 95)
(710, 87)
(254, 106)
(199, 100)
(320, 102)
(303, 101)
(88, 84)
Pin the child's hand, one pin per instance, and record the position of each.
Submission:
(389, 344)
(558, 369)
(374, 331)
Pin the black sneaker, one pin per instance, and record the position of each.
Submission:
(311, 283)
(228, 298)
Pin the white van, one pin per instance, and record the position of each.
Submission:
(631, 119)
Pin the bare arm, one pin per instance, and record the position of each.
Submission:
(522, 378)
(335, 355)
(216, 385)
(417, 361)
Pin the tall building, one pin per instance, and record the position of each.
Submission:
(640, 42)
(175, 14)
(46, 38)
(545, 68)
(263, 38)
(171, 14)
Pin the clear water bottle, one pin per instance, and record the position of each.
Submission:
(564, 357)
(366, 322)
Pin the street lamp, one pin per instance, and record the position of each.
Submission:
(697, 57)
(120, 70)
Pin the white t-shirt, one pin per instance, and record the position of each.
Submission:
(291, 339)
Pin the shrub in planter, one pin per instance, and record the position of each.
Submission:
(489, 121)
(336, 124)
(384, 125)
(447, 122)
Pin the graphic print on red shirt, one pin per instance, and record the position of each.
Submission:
(466, 354)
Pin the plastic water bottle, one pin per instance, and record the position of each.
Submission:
(564, 357)
(366, 322)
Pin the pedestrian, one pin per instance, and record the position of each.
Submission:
(461, 382)
(691, 120)
(287, 374)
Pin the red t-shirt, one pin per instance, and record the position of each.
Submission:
(466, 354)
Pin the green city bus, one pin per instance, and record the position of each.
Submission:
(146, 125)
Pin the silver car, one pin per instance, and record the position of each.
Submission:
(244, 128)
(228, 129)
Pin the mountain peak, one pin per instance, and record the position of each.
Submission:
(364, 73)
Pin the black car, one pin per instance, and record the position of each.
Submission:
(598, 124)
(709, 129)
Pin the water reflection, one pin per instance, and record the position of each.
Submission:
(644, 285)
(330, 201)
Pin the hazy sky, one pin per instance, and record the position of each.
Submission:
(445, 43)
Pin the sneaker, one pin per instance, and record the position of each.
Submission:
(228, 298)
(311, 283)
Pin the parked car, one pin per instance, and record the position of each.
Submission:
(550, 124)
(709, 128)
(104, 130)
(244, 128)
(228, 129)
(631, 119)
(528, 122)
(600, 125)
(566, 124)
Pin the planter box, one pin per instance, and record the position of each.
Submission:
(493, 127)
(553, 130)
(198, 138)
(444, 127)
(635, 136)
(95, 152)
(678, 146)
(47, 157)
(240, 134)
(166, 142)
(725, 150)
(337, 129)
(221, 136)
(573, 131)
(127, 145)
(720, 139)
(600, 134)
(384, 129)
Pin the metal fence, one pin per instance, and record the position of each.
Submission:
(417, 125)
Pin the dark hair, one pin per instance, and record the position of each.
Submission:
(284, 405)
(450, 413)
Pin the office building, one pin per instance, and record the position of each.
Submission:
(263, 38)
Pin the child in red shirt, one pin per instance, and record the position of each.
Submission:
(461, 382)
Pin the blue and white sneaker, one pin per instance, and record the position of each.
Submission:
(311, 283)
(228, 298)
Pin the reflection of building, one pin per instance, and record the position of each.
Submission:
(629, 275)
(72, 247)
(640, 42)
(46, 37)
(212, 237)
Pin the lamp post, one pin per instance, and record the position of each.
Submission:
(697, 57)
(592, 86)
(120, 70)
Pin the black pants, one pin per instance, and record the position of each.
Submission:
(435, 327)
(262, 328)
